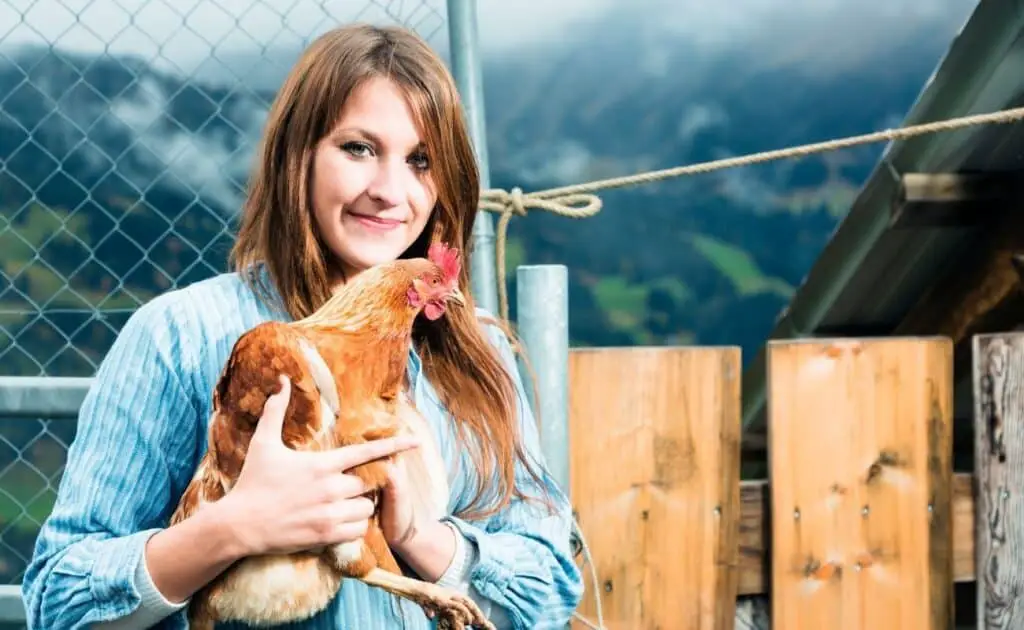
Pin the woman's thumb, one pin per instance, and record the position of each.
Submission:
(271, 422)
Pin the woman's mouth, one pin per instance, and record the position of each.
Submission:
(376, 223)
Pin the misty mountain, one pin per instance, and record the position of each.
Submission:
(125, 178)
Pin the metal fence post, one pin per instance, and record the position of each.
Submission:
(542, 299)
(465, 59)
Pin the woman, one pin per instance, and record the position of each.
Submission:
(365, 159)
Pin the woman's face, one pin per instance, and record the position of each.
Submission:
(372, 189)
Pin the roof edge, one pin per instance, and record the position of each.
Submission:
(961, 83)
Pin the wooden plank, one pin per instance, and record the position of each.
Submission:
(929, 200)
(977, 287)
(754, 533)
(654, 478)
(860, 445)
(999, 469)
(753, 538)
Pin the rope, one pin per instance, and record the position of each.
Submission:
(578, 201)
(515, 202)
(593, 578)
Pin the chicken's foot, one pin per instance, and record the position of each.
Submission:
(453, 610)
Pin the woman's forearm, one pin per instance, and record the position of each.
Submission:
(185, 557)
(429, 550)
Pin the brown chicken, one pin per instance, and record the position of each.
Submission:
(347, 366)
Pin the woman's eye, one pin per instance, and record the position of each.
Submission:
(420, 161)
(358, 149)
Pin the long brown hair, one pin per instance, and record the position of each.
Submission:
(278, 230)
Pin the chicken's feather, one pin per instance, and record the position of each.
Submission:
(326, 386)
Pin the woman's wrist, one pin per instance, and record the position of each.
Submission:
(228, 522)
(428, 548)
(185, 557)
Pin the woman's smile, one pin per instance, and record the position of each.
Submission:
(376, 223)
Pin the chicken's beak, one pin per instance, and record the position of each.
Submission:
(457, 297)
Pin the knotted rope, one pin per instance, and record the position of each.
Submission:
(578, 201)
(507, 204)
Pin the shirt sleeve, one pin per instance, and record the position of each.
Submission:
(457, 577)
(153, 607)
(521, 560)
(135, 446)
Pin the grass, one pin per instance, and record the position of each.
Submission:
(739, 267)
(25, 498)
(625, 304)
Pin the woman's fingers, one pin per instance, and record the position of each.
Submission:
(359, 509)
(348, 531)
(346, 457)
(341, 486)
(271, 424)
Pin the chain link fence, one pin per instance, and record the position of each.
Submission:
(127, 129)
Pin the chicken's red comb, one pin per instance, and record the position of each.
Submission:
(447, 258)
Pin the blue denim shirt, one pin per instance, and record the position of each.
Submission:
(141, 432)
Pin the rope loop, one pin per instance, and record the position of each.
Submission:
(515, 201)
(507, 203)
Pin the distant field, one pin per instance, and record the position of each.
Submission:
(739, 267)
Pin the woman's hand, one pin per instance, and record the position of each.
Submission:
(397, 513)
(425, 544)
(287, 500)
(402, 512)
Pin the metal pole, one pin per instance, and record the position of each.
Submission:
(543, 320)
(42, 396)
(465, 55)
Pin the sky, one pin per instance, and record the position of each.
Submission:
(184, 34)
(180, 28)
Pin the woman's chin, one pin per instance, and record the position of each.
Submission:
(365, 255)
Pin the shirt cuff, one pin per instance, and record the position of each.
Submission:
(492, 568)
(153, 606)
(458, 577)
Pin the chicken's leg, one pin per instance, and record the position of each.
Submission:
(454, 611)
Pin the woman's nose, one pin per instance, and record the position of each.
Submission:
(387, 184)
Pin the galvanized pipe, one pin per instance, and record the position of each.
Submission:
(466, 68)
(42, 396)
(542, 301)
